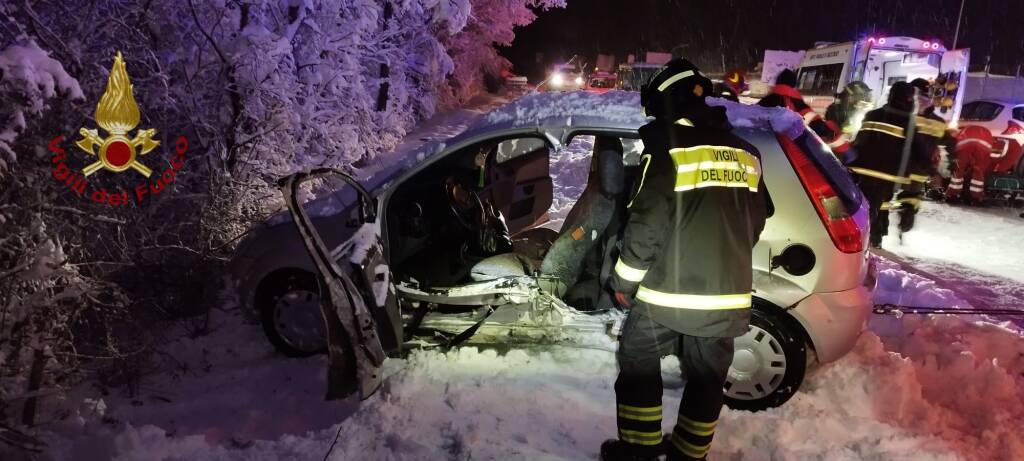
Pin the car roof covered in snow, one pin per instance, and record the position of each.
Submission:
(619, 110)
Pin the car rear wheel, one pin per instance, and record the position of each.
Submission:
(768, 365)
(289, 307)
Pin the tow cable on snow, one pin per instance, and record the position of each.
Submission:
(899, 311)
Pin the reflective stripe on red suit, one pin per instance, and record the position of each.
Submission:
(973, 159)
(788, 97)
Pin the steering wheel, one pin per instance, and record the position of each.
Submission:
(465, 204)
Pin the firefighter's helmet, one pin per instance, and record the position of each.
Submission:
(856, 92)
(677, 85)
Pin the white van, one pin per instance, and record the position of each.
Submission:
(880, 62)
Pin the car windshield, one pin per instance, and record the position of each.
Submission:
(981, 111)
(602, 83)
(832, 168)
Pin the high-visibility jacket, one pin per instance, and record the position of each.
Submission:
(879, 146)
(830, 132)
(693, 222)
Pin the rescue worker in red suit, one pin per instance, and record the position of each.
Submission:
(684, 269)
(785, 94)
(973, 158)
(879, 146)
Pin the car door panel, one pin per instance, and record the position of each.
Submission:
(522, 189)
(354, 345)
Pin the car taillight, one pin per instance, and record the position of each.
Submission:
(1013, 127)
(841, 227)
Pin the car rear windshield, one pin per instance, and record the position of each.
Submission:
(980, 111)
(836, 174)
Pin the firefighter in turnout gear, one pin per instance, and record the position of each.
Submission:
(785, 94)
(931, 132)
(684, 269)
(879, 147)
(850, 106)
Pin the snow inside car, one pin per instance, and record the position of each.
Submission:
(408, 240)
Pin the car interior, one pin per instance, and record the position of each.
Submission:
(477, 215)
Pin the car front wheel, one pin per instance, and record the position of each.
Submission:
(289, 307)
(768, 365)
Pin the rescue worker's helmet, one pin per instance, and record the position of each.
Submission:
(786, 77)
(923, 87)
(677, 85)
(736, 80)
(856, 92)
(902, 96)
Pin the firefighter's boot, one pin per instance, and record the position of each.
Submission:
(618, 450)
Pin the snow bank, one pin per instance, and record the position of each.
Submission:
(955, 393)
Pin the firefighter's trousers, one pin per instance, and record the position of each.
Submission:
(704, 362)
(972, 164)
(878, 193)
(910, 202)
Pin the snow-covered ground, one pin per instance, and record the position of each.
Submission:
(914, 388)
(989, 240)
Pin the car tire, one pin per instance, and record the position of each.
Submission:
(288, 302)
(769, 362)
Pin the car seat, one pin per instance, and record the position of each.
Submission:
(583, 231)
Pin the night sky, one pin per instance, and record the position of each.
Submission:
(740, 30)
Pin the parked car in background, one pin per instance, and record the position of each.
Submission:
(600, 82)
(1003, 117)
(633, 76)
(514, 82)
(409, 237)
(564, 77)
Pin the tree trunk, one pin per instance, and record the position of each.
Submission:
(35, 381)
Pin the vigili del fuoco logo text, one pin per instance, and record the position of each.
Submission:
(117, 114)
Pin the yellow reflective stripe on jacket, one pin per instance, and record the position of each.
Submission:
(913, 202)
(698, 302)
(675, 78)
(639, 413)
(629, 273)
(715, 166)
(689, 449)
(646, 158)
(891, 130)
(696, 427)
(640, 438)
(684, 122)
(881, 175)
(930, 127)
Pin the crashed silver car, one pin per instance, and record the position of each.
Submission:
(421, 248)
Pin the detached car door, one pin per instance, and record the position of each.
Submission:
(360, 302)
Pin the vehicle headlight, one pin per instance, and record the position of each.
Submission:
(557, 80)
(579, 80)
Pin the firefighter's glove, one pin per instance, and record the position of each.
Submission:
(623, 301)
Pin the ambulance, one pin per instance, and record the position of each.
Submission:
(880, 62)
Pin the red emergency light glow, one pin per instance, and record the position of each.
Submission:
(841, 227)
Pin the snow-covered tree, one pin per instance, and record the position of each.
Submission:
(261, 88)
